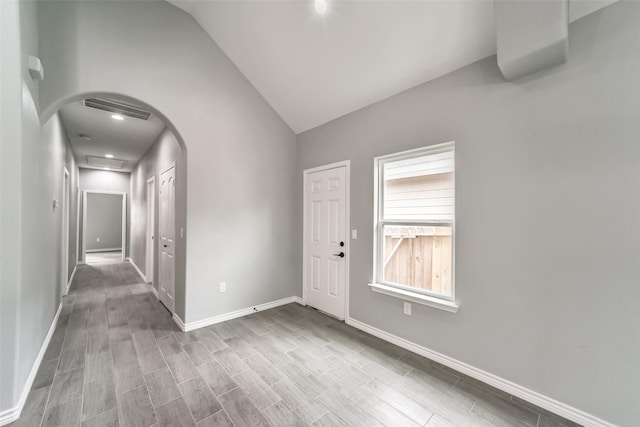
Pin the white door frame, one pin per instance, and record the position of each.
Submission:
(347, 259)
(66, 190)
(84, 219)
(167, 168)
(151, 228)
(79, 259)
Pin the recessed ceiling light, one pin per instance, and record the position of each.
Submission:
(320, 6)
(109, 156)
(117, 117)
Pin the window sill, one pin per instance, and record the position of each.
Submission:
(449, 306)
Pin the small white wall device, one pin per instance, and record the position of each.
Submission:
(35, 68)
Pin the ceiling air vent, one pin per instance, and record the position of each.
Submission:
(117, 107)
(101, 162)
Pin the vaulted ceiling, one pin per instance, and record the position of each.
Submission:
(314, 68)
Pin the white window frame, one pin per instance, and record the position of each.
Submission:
(408, 293)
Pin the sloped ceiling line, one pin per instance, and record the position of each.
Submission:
(313, 69)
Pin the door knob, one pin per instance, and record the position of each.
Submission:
(341, 254)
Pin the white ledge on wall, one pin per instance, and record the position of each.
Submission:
(449, 306)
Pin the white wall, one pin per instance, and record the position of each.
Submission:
(547, 208)
(33, 158)
(10, 196)
(241, 175)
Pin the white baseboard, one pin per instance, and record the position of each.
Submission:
(138, 270)
(9, 415)
(178, 321)
(190, 326)
(530, 396)
(71, 279)
(155, 291)
(89, 251)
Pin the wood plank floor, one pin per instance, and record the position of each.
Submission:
(116, 358)
(103, 257)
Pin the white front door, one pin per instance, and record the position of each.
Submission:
(166, 282)
(325, 239)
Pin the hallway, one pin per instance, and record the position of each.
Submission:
(117, 358)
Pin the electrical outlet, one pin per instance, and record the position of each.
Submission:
(407, 308)
(223, 286)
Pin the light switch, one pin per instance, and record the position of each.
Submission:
(354, 234)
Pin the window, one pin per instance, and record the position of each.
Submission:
(415, 217)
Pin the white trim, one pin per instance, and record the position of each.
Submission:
(117, 193)
(530, 396)
(150, 247)
(137, 269)
(442, 304)
(155, 291)
(178, 321)
(434, 299)
(190, 326)
(84, 225)
(168, 167)
(9, 415)
(84, 221)
(73, 273)
(347, 238)
(66, 216)
(90, 251)
(78, 201)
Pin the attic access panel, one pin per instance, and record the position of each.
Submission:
(101, 162)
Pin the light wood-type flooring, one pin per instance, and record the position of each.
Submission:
(117, 358)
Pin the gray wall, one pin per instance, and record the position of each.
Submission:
(10, 206)
(74, 205)
(101, 180)
(104, 221)
(241, 177)
(33, 158)
(548, 202)
(162, 153)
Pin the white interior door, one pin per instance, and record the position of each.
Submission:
(166, 281)
(151, 227)
(326, 240)
(65, 232)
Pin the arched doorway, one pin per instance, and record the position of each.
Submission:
(120, 145)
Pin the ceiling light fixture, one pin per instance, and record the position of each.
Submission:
(109, 156)
(117, 117)
(84, 138)
(320, 6)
